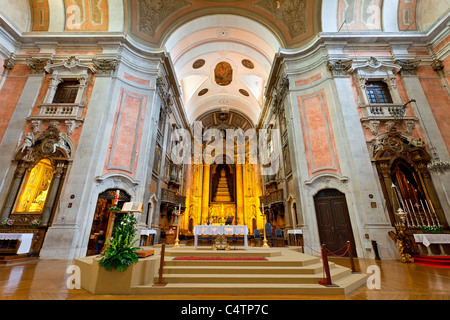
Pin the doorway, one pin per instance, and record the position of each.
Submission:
(103, 220)
(333, 220)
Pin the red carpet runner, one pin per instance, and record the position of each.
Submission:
(223, 258)
(433, 261)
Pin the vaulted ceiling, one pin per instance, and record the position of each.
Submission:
(222, 50)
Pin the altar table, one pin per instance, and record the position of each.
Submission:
(219, 230)
(25, 240)
(148, 234)
(293, 233)
(428, 239)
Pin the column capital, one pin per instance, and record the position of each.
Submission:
(409, 67)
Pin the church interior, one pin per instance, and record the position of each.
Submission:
(314, 138)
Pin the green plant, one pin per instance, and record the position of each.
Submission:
(120, 251)
(116, 209)
(432, 229)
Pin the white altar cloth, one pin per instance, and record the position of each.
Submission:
(428, 239)
(148, 232)
(219, 230)
(25, 240)
(295, 231)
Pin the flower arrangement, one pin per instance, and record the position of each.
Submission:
(8, 223)
(35, 222)
(120, 251)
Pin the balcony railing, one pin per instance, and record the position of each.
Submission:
(170, 196)
(384, 111)
(274, 197)
(59, 111)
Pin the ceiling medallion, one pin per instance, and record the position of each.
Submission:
(223, 32)
(198, 64)
(248, 64)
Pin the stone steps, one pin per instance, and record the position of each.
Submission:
(286, 272)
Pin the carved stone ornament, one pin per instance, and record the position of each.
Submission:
(37, 66)
(105, 66)
(393, 143)
(339, 67)
(152, 13)
(44, 145)
(372, 125)
(437, 65)
(9, 63)
(373, 64)
(72, 64)
(290, 13)
(409, 67)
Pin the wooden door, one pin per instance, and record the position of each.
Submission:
(333, 220)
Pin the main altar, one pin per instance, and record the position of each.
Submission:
(220, 231)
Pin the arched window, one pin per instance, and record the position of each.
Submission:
(34, 191)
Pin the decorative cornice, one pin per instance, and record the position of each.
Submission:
(373, 64)
(71, 64)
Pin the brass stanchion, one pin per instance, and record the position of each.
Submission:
(177, 240)
(326, 266)
(350, 255)
(265, 245)
(161, 268)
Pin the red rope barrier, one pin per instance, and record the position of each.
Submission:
(333, 253)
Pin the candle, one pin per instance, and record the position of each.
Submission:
(434, 212)
(411, 214)
(421, 220)
(426, 216)
(429, 212)
(116, 199)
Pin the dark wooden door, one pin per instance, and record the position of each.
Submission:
(333, 220)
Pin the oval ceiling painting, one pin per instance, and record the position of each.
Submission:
(198, 64)
(223, 73)
(248, 64)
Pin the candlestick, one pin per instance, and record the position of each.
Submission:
(418, 221)
(434, 212)
(429, 212)
(177, 240)
(411, 215)
(426, 216)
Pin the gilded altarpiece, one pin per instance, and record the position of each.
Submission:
(204, 205)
